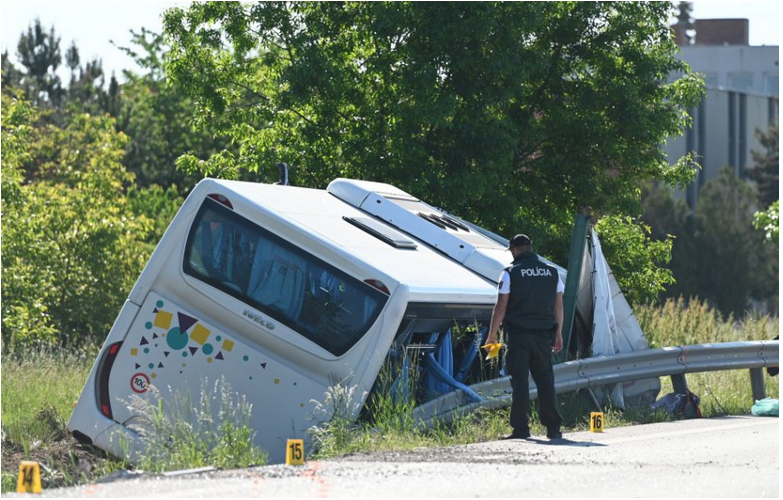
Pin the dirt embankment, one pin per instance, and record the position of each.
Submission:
(64, 461)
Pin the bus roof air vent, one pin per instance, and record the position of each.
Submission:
(382, 232)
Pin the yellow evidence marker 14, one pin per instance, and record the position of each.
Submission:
(29, 478)
(294, 452)
(596, 421)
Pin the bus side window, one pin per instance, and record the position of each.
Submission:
(277, 278)
(315, 299)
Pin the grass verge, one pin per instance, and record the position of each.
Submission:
(676, 322)
(40, 389)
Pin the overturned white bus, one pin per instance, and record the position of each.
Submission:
(283, 292)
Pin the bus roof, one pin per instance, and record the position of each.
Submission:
(359, 236)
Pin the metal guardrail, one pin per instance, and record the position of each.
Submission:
(604, 370)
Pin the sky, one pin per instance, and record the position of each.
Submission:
(93, 25)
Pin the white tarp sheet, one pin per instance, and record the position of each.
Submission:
(615, 331)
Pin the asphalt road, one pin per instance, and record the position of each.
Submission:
(717, 457)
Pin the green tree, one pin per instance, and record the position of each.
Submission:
(86, 88)
(766, 166)
(158, 205)
(670, 218)
(515, 115)
(72, 247)
(665, 215)
(17, 131)
(87, 92)
(769, 222)
(638, 261)
(724, 260)
(11, 76)
(21, 316)
(72, 59)
(159, 119)
(39, 54)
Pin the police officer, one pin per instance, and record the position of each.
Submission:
(530, 306)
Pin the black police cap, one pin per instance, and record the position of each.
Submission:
(519, 240)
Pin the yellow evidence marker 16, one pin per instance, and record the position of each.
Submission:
(596, 421)
(29, 478)
(294, 452)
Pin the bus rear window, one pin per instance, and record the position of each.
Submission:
(310, 296)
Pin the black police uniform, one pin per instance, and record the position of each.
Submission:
(530, 326)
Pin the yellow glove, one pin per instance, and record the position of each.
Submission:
(493, 349)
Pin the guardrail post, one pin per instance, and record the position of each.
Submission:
(757, 383)
(679, 384)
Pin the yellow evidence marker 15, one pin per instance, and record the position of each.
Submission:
(294, 452)
(596, 421)
(29, 478)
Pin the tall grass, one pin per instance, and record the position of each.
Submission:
(8, 482)
(391, 426)
(681, 322)
(181, 434)
(676, 322)
(686, 322)
(41, 379)
(40, 389)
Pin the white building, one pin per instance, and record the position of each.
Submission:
(724, 134)
(742, 97)
(736, 67)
